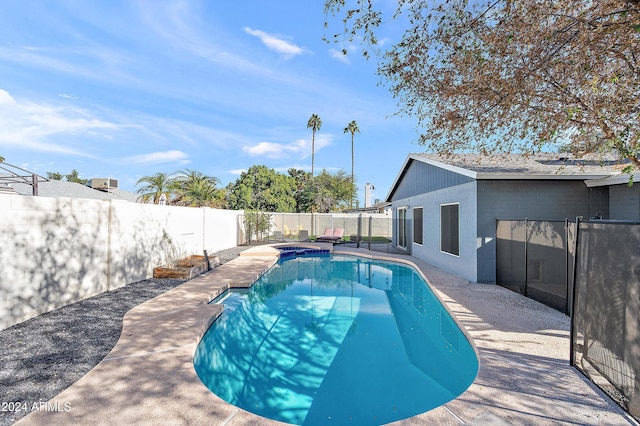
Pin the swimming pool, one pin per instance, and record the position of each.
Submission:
(335, 339)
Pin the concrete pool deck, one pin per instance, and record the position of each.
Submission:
(148, 377)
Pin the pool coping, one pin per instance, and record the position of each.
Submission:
(148, 377)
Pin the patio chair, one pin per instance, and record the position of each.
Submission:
(330, 236)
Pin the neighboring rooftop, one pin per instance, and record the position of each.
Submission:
(61, 188)
(376, 208)
(16, 180)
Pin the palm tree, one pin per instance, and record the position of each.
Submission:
(155, 186)
(196, 189)
(1, 158)
(199, 194)
(314, 124)
(353, 129)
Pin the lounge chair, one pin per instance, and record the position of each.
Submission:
(331, 236)
(328, 234)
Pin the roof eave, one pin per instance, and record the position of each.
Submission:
(589, 179)
(618, 179)
(541, 176)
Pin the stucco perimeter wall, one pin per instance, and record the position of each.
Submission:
(56, 251)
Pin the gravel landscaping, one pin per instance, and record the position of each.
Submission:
(43, 356)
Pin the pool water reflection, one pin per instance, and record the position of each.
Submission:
(336, 339)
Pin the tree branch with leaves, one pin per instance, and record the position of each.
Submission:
(506, 76)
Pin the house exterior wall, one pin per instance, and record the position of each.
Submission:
(624, 202)
(464, 265)
(421, 178)
(481, 204)
(533, 199)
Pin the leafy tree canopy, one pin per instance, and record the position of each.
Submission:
(73, 176)
(302, 180)
(328, 192)
(511, 76)
(264, 189)
(54, 176)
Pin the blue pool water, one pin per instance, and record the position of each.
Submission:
(336, 339)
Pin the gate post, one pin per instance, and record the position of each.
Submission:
(526, 260)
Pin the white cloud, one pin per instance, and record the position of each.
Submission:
(276, 43)
(275, 150)
(64, 128)
(322, 140)
(35, 126)
(78, 61)
(171, 156)
(6, 99)
(174, 23)
(337, 54)
(237, 172)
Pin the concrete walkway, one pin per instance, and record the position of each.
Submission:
(148, 377)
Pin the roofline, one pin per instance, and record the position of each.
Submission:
(619, 179)
(508, 175)
(402, 171)
(495, 175)
(525, 176)
(450, 167)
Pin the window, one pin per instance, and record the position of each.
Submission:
(417, 225)
(449, 229)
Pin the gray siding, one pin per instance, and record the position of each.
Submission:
(422, 178)
(536, 200)
(624, 202)
(464, 265)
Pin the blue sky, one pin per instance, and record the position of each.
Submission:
(124, 89)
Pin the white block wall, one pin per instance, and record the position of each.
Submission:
(56, 251)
